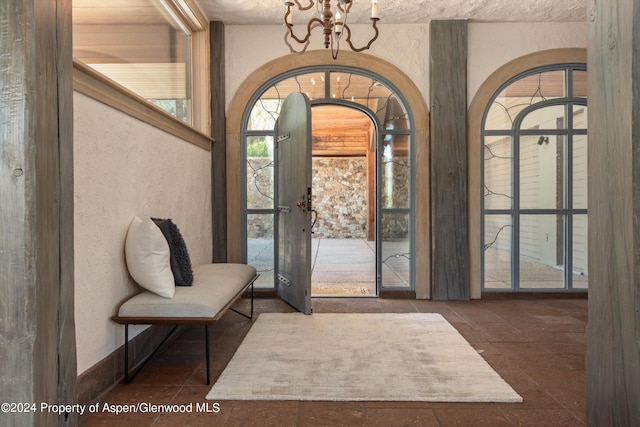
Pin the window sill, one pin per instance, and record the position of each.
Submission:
(94, 85)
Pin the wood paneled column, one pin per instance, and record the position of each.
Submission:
(219, 148)
(449, 217)
(37, 332)
(613, 331)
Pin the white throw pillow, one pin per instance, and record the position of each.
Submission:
(147, 253)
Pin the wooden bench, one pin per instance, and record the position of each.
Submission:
(216, 287)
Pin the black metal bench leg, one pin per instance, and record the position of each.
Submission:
(248, 316)
(251, 316)
(127, 376)
(207, 353)
(126, 354)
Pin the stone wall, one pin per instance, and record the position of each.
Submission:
(339, 197)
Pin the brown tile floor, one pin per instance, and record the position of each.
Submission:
(536, 345)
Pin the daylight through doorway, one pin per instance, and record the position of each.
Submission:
(343, 267)
(344, 201)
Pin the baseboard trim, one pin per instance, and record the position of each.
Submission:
(104, 375)
(535, 295)
(398, 294)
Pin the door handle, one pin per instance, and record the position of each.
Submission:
(300, 203)
(315, 218)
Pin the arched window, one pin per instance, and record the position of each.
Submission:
(378, 149)
(534, 181)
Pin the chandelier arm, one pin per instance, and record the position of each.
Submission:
(310, 26)
(346, 8)
(300, 7)
(291, 48)
(306, 44)
(375, 36)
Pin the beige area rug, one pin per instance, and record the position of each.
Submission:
(358, 357)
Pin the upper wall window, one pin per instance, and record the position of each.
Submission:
(140, 44)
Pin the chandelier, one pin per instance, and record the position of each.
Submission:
(334, 25)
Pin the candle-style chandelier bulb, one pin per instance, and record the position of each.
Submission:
(333, 22)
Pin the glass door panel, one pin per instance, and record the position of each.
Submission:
(260, 180)
(580, 117)
(360, 89)
(580, 196)
(498, 232)
(497, 172)
(545, 118)
(260, 247)
(311, 84)
(396, 172)
(395, 250)
(579, 83)
(541, 263)
(540, 172)
(580, 277)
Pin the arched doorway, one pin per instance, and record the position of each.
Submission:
(344, 202)
(362, 132)
(391, 77)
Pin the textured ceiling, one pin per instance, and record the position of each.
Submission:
(270, 12)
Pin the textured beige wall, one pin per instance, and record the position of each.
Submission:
(515, 40)
(249, 47)
(124, 167)
(407, 47)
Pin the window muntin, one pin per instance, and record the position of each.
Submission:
(140, 45)
(534, 208)
(522, 93)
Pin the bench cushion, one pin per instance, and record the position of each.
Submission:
(214, 285)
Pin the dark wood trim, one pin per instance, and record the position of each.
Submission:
(125, 320)
(449, 204)
(265, 293)
(101, 377)
(535, 295)
(94, 85)
(219, 150)
(397, 294)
